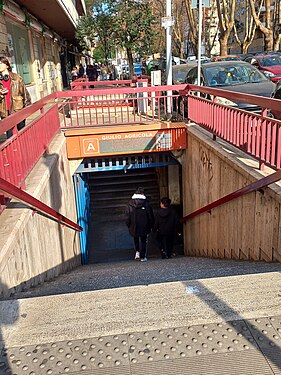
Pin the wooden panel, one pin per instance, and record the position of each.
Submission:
(266, 224)
(246, 228)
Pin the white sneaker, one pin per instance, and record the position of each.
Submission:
(137, 256)
(144, 260)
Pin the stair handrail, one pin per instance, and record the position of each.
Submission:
(14, 192)
(254, 186)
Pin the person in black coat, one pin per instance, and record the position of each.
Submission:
(166, 227)
(140, 221)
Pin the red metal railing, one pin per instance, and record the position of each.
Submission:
(119, 105)
(257, 135)
(20, 153)
(14, 192)
(85, 84)
(263, 182)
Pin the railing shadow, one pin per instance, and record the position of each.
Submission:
(9, 313)
(267, 345)
(52, 161)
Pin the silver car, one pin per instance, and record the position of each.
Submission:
(237, 76)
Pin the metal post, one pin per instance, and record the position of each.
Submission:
(199, 41)
(169, 55)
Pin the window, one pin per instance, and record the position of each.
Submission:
(20, 51)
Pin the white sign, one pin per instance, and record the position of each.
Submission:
(168, 21)
(156, 77)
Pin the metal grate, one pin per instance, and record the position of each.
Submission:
(126, 162)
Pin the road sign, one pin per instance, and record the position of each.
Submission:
(195, 4)
(168, 21)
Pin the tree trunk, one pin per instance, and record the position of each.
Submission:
(268, 40)
(131, 62)
(223, 46)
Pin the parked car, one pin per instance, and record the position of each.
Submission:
(226, 58)
(244, 56)
(180, 72)
(269, 64)
(277, 95)
(237, 76)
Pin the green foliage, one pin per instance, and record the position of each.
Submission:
(128, 24)
(85, 31)
(133, 25)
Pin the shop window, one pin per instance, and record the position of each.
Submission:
(19, 50)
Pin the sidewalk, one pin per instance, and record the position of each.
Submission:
(179, 316)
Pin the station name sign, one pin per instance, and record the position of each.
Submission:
(118, 143)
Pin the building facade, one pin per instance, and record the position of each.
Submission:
(42, 52)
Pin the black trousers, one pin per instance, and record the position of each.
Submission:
(166, 243)
(140, 243)
(20, 126)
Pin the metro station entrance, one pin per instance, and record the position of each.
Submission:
(110, 183)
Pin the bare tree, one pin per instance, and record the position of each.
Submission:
(193, 26)
(265, 27)
(226, 18)
(210, 31)
(277, 25)
(179, 29)
(245, 34)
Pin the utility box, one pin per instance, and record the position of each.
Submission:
(156, 78)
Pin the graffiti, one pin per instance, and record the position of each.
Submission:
(206, 162)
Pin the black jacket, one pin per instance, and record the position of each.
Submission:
(166, 222)
(139, 217)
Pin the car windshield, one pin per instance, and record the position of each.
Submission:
(270, 61)
(229, 75)
(179, 74)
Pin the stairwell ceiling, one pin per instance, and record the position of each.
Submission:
(52, 15)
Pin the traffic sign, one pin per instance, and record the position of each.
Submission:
(168, 21)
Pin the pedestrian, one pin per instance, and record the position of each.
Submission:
(166, 227)
(114, 73)
(139, 220)
(13, 93)
(81, 71)
(92, 74)
(74, 73)
(103, 72)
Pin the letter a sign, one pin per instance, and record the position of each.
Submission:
(91, 146)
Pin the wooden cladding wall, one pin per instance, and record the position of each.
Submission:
(246, 228)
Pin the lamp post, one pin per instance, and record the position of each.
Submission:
(168, 22)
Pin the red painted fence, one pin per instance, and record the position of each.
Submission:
(258, 135)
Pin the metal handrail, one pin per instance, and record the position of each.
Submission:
(16, 193)
(263, 182)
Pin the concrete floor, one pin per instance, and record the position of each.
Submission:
(124, 297)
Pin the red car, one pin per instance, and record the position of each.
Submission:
(270, 65)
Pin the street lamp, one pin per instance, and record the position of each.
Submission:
(168, 22)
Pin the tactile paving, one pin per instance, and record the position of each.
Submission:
(231, 348)
(70, 356)
(267, 334)
(190, 341)
(264, 333)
